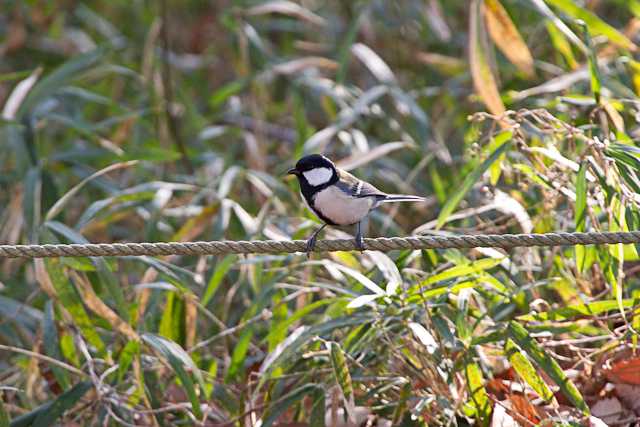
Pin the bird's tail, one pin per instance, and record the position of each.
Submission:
(402, 198)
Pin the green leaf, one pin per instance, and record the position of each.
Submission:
(4, 415)
(522, 337)
(130, 350)
(634, 6)
(287, 401)
(301, 336)
(219, 96)
(469, 181)
(482, 281)
(68, 349)
(477, 392)
(345, 48)
(70, 300)
(581, 198)
(299, 314)
(557, 22)
(621, 252)
(561, 45)
(31, 201)
(15, 75)
(280, 316)
(52, 345)
(474, 267)
(239, 354)
(594, 72)
(173, 318)
(343, 377)
(594, 23)
(222, 268)
(46, 415)
(23, 314)
(401, 407)
(578, 310)
(105, 275)
(60, 77)
(496, 142)
(182, 365)
(585, 255)
(318, 410)
(526, 370)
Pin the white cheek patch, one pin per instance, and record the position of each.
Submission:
(318, 176)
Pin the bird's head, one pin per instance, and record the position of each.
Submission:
(315, 170)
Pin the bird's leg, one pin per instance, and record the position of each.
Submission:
(359, 238)
(311, 243)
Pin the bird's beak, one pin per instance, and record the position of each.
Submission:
(293, 171)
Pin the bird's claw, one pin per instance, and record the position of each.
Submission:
(311, 244)
(359, 239)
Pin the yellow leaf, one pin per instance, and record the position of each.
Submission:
(483, 79)
(616, 118)
(95, 304)
(505, 35)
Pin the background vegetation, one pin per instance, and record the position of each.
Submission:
(176, 120)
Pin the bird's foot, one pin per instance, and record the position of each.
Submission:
(311, 244)
(359, 243)
(359, 239)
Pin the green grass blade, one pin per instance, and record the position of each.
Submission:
(477, 392)
(69, 299)
(299, 314)
(286, 403)
(46, 415)
(105, 275)
(585, 255)
(239, 355)
(221, 270)
(343, 377)
(522, 337)
(4, 415)
(468, 182)
(51, 343)
(593, 22)
(576, 311)
(594, 71)
(285, 351)
(60, 77)
(474, 267)
(526, 370)
(318, 410)
(182, 365)
(128, 353)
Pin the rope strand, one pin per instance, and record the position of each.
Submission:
(290, 246)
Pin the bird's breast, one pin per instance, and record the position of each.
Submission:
(340, 208)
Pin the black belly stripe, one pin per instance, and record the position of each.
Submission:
(309, 198)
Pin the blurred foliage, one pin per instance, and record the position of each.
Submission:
(176, 120)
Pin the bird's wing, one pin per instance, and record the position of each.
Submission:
(357, 187)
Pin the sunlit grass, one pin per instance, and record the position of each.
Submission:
(115, 129)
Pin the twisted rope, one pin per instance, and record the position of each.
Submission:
(383, 244)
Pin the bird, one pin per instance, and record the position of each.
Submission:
(338, 198)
